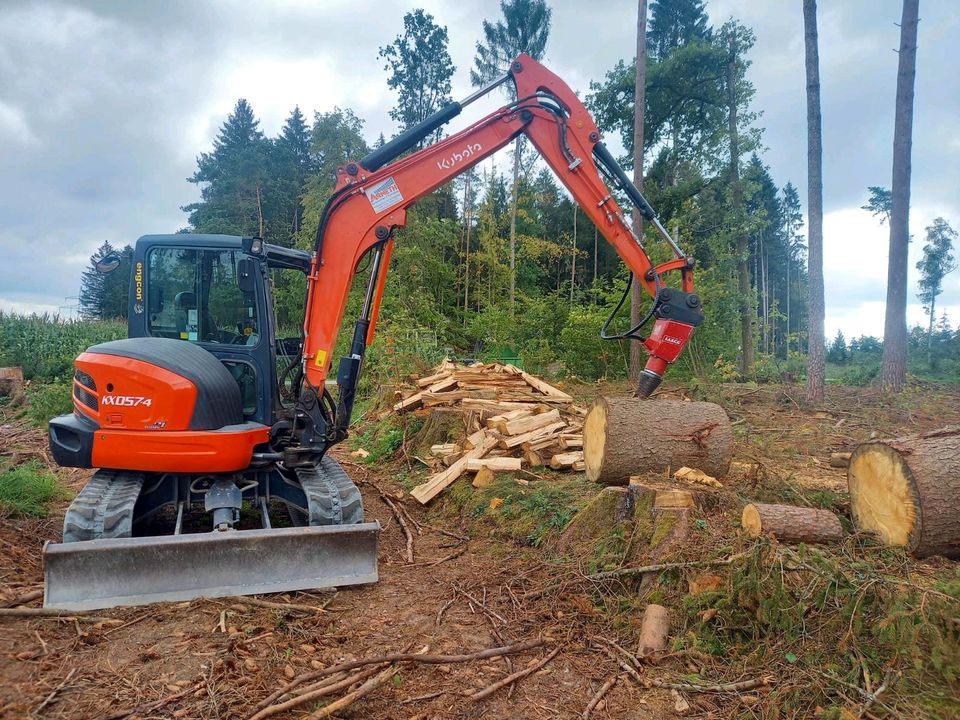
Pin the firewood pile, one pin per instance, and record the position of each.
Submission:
(513, 420)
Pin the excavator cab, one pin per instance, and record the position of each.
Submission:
(178, 419)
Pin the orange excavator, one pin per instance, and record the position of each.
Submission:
(205, 406)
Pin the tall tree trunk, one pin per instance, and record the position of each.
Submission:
(595, 233)
(573, 259)
(467, 211)
(894, 372)
(816, 351)
(639, 106)
(933, 304)
(743, 250)
(513, 224)
(788, 303)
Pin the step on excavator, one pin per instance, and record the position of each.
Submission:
(205, 407)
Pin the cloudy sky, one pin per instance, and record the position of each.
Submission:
(104, 106)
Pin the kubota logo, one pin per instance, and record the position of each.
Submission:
(127, 400)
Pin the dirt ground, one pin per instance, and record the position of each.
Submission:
(218, 659)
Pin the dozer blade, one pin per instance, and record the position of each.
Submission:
(94, 574)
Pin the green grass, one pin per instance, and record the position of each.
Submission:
(28, 489)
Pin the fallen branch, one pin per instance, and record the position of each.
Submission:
(421, 698)
(155, 705)
(623, 664)
(25, 598)
(638, 570)
(403, 524)
(452, 556)
(43, 613)
(368, 687)
(733, 687)
(53, 693)
(595, 700)
(404, 657)
(311, 694)
(488, 691)
(257, 602)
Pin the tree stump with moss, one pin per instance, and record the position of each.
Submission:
(906, 490)
(628, 436)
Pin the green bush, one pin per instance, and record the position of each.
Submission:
(29, 489)
(48, 400)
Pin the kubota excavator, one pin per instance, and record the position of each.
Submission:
(189, 411)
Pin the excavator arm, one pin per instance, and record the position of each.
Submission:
(371, 198)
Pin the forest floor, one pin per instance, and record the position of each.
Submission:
(481, 577)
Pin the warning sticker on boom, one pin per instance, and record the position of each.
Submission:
(384, 195)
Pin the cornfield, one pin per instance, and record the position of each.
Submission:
(45, 346)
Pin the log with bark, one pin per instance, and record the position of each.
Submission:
(791, 524)
(654, 631)
(628, 436)
(906, 490)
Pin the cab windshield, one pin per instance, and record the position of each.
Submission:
(194, 295)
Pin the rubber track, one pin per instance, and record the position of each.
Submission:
(332, 497)
(104, 508)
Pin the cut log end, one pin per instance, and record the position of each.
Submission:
(595, 428)
(882, 497)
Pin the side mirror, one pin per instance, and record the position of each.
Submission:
(246, 279)
(108, 263)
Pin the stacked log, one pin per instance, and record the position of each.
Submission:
(513, 419)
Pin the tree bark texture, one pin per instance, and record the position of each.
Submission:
(513, 223)
(743, 250)
(627, 436)
(906, 490)
(791, 524)
(894, 371)
(816, 350)
(639, 107)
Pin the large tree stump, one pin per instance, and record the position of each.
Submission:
(628, 436)
(11, 383)
(907, 491)
(791, 524)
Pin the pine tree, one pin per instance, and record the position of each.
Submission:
(879, 203)
(893, 374)
(674, 23)
(103, 296)
(524, 28)
(420, 70)
(816, 361)
(937, 262)
(235, 179)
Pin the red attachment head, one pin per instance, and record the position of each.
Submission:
(665, 343)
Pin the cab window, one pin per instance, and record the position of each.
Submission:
(194, 295)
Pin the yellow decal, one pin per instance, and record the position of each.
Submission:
(321, 358)
(138, 279)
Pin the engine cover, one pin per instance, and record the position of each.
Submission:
(154, 404)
